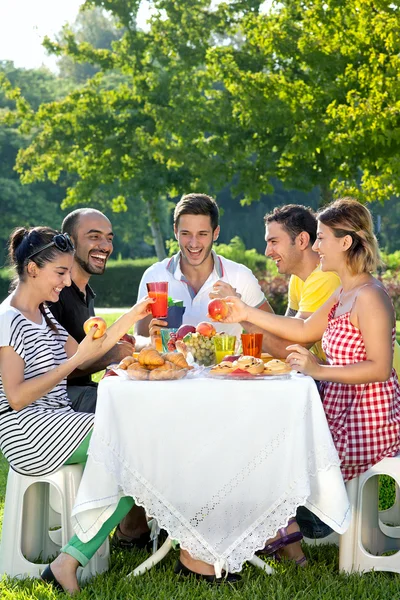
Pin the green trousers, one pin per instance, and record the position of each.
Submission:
(83, 552)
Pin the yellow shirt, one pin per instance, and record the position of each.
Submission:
(309, 295)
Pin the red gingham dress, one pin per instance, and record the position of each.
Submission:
(364, 419)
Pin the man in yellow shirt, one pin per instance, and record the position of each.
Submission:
(290, 233)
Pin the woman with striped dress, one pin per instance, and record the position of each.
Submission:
(39, 430)
(359, 389)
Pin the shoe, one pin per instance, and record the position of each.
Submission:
(284, 540)
(180, 569)
(142, 542)
(48, 576)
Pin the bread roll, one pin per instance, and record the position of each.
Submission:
(150, 356)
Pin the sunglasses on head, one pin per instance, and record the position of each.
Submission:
(61, 241)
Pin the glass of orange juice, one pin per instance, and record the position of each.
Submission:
(252, 344)
(224, 345)
(159, 291)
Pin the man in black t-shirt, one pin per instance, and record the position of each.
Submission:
(92, 235)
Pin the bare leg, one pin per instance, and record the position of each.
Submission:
(64, 570)
(197, 566)
(291, 551)
(134, 524)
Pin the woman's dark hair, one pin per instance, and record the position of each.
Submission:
(22, 247)
(347, 216)
(197, 204)
(295, 219)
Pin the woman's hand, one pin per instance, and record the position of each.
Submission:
(304, 361)
(142, 309)
(237, 310)
(89, 346)
(222, 289)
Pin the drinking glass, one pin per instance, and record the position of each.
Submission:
(159, 291)
(224, 345)
(252, 344)
(165, 335)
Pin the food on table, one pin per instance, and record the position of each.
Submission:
(206, 329)
(150, 365)
(252, 365)
(125, 362)
(201, 347)
(231, 357)
(158, 374)
(218, 309)
(223, 368)
(277, 366)
(98, 322)
(177, 359)
(127, 337)
(184, 330)
(150, 356)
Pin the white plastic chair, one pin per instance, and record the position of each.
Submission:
(368, 537)
(36, 523)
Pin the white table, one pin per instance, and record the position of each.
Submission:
(221, 465)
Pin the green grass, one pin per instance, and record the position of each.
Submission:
(321, 580)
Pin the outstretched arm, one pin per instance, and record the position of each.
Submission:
(289, 328)
(377, 337)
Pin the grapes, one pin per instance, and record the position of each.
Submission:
(201, 347)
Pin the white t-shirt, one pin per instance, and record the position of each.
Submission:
(238, 276)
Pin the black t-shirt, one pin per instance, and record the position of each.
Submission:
(71, 311)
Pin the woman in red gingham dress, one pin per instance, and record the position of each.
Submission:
(363, 418)
(360, 389)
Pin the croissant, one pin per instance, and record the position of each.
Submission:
(160, 374)
(149, 356)
(138, 371)
(177, 359)
(167, 366)
(125, 362)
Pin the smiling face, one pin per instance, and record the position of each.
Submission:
(195, 237)
(281, 249)
(53, 276)
(331, 249)
(93, 242)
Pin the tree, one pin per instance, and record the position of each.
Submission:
(314, 89)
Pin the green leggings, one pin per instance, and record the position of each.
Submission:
(83, 552)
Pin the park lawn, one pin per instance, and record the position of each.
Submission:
(321, 580)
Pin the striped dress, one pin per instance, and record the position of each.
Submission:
(38, 439)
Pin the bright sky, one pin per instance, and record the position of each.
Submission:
(24, 23)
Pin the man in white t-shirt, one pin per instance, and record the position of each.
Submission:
(197, 274)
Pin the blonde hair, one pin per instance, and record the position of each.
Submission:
(347, 216)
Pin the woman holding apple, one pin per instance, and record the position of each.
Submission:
(39, 431)
(360, 389)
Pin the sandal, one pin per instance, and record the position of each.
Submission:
(284, 540)
(182, 570)
(48, 576)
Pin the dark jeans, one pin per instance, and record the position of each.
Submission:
(310, 525)
(83, 397)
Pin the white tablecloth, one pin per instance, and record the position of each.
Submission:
(221, 465)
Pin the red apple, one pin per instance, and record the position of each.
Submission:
(127, 337)
(231, 357)
(99, 323)
(218, 309)
(184, 330)
(205, 328)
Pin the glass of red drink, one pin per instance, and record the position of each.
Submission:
(159, 291)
